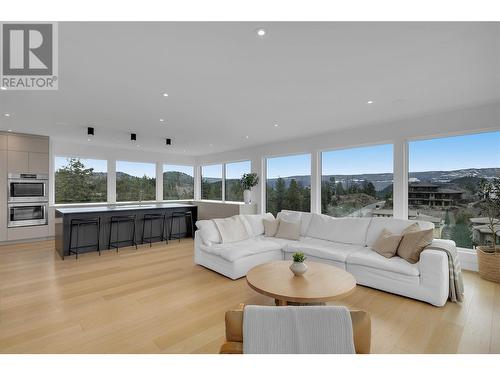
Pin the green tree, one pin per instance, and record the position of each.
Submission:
(369, 188)
(293, 196)
(280, 191)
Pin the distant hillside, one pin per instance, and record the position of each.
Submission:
(383, 181)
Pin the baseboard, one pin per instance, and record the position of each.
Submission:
(13, 242)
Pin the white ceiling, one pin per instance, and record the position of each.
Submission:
(225, 83)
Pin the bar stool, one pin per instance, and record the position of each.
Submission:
(179, 216)
(119, 220)
(83, 222)
(151, 218)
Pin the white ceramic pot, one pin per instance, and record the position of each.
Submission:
(298, 268)
(247, 196)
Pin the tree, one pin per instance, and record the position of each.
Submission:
(339, 190)
(280, 191)
(292, 198)
(369, 188)
(76, 184)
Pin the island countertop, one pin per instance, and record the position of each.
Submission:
(114, 208)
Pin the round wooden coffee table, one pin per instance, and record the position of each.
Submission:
(321, 283)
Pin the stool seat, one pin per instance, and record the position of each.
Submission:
(83, 222)
(117, 220)
(151, 217)
(180, 215)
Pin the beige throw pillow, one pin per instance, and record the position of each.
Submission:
(413, 243)
(387, 243)
(289, 230)
(270, 227)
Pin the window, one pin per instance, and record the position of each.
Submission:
(443, 183)
(288, 183)
(135, 181)
(211, 182)
(80, 180)
(357, 181)
(178, 182)
(234, 171)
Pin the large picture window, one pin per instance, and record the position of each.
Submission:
(234, 171)
(79, 180)
(444, 178)
(211, 182)
(178, 182)
(288, 183)
(135, 181)
(357, 181)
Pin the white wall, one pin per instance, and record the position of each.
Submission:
(469, 120)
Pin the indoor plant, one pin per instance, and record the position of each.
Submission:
(248, 181)
(488, 255)
(298, 266)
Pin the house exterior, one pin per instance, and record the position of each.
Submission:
(432, 195)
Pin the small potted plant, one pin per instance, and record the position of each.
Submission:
(298, 266)
(248, 181)
(488, 256)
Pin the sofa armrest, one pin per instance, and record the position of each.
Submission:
(434, 274)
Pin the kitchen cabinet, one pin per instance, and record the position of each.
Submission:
(17, 161)
(28, 143)
(38, 162)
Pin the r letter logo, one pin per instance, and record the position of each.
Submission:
(29, 56)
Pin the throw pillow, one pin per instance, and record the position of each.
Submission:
(413, 243)
(289, 230)
(270, 227)
(412, 228)
(231, 229)
(387, 243)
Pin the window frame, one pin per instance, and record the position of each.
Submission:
(116, 180)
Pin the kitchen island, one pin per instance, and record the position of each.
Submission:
(88, 234)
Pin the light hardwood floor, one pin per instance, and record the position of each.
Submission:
(157, 301)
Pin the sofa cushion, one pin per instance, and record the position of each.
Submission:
(369, 258)
(289, 230)
(271, 227)
(396, 226)
(231, 229)
(349, 230)
(323, 249)
(387, 243)
(208, 232)
(413, 243)
(237, 250)
(255, 222)
(303, 217)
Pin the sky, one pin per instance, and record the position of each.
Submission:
(360, 160)
(293, 165)
(98, 165)
(136, 169)
(461, 152)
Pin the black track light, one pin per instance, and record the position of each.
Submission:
(90, 131)
(168, 141)
(133, 137)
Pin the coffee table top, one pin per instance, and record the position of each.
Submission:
(321, 283)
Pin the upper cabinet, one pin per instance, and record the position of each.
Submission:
(28, 143)
(25, 153)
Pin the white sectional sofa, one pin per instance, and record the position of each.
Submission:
(342, 242)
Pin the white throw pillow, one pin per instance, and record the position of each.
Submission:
(289, 230)
(256, 223)
(303, 217)
(231, 229)
(209, 233)
(396, 226)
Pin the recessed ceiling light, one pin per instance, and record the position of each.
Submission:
(3, 88)
(7, 114)
(210, 145)
(9, 130)
(88, 139)
(276, 125)
(261, 32)
(165, 94)
(138, 145)
(246, 136)
(162, 120)
(369, 102)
